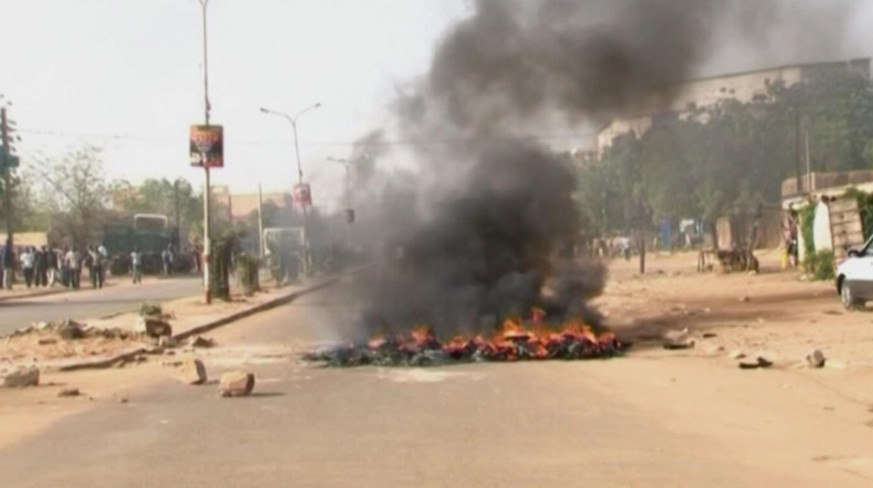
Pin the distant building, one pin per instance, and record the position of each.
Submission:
(703, 92)
(832, 184)
(244, 204)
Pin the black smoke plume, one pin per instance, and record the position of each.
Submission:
(491, 230)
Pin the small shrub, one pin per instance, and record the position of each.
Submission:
(820, 266)
(150, 310)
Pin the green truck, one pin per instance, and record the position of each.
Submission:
(151, 234)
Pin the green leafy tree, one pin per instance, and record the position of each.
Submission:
(733, 155)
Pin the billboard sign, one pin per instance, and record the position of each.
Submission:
(302, 195)
(207, 146)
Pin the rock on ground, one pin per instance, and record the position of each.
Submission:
(193, 372)
(22, 377)
(152, 327)
(236, 384)
(816, 359)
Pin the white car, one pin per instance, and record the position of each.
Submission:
(855, 277)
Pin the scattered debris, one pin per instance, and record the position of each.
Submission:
(167, 342)
(69, 392)
(737, 355)
(758, 363)
(709, 335)
(202, 342)
(22, 377)
(123, 400)
(236, 384)
(712, 349)
(193, 372)
(676, 346)
(47, 341)
(148, 309)
(154, 327)
(70, 329)
(677, 339)
(515, 343)
(816, 359)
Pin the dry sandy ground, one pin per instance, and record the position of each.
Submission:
(823, 415)
(775, 314)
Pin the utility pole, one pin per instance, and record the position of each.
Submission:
(178, 216)
(207, 242)
(808, 168)
(797, 151)
(7, 182)
(260, 223)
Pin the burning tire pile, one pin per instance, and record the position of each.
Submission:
(513, 343)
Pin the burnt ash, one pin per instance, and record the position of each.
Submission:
(410, 351)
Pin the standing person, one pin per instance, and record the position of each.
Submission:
(136, 265)
(7, 260)
(27, 262)
(93, 262)
(51, 266)
(65, 270)
(104, 263)
(791, 229)
(40, 276)
(165, 261)
(73, 260)
(195, 258)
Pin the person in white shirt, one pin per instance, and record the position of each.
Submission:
(104, 254)
(27, 261)
(73, 260)
(136, 265)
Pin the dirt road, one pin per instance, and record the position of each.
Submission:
(654, 418)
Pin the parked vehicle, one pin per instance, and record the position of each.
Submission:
(151, 234)
(854, 277)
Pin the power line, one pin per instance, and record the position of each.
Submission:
(384, 143)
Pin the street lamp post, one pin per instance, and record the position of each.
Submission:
(293, 121)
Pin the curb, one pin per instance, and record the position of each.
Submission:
(33, 295)
(51, 291)
(101, 363)
(256, 309)
(133, 352)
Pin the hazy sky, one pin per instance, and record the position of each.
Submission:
(127, 75)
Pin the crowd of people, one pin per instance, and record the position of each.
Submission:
(46, 267)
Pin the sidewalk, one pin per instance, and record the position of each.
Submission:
(20, 291)
(189, 317)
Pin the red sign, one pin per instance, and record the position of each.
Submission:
(302, 195)
(207, 146)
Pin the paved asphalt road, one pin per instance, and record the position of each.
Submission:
(494, 425)
(88, 303)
